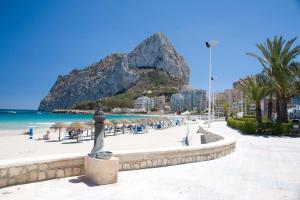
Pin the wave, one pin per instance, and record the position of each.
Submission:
(45, 123)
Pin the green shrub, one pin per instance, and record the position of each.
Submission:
(249, 116)
(249, 126)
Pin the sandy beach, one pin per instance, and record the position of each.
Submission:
(15, 145)
(20, 132)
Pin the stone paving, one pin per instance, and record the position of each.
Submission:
(260, 168)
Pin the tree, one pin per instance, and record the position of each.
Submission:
(278, 60)
(254, 88)
(268, 82)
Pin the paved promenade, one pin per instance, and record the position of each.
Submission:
(260, 168)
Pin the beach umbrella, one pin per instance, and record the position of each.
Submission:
(108, 123)
(148, 120)
(155, 120)
(140, 121)
(114, 121)
(151, 120)
(89, 124)
(77, 126)
(143, 121)
(74, 126)
(58, 126)
(132, 121)
(124, 121)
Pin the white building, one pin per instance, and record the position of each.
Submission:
(159, 102)
(147, 104)
(194, 99)
(177, 102)
(142, 103)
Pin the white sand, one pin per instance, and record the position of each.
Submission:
(13, 145)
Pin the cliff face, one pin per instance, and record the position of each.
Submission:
(156, 51)
(116, 73)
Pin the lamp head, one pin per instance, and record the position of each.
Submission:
(211, 43)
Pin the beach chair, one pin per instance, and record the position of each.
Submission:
(78, 135)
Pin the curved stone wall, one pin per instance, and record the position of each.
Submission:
(27, 170)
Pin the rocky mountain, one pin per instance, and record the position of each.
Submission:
(119, 72)
(156, 51)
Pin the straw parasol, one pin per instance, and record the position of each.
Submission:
(144, 120)
(150, 120)
(77, 126)
(114, 121)
(107, 123)
(139, 121)
(132, 121)
(58, 126)
(124, 121)
(89, 124)
(154, 120)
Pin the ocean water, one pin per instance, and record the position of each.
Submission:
(23, 119)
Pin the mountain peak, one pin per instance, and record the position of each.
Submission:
(159, 36)
(157, 52)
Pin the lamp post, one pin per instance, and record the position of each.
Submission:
(213, 99)
(213, 96)
(209, 45)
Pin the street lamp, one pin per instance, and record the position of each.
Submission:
(210, 45)
(213, 96)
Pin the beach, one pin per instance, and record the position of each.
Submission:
(15, 145)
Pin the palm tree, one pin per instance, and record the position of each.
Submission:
(254, 88)
(278, 61)
(268, 82)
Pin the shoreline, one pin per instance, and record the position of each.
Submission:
(20, 132)
(22, 120)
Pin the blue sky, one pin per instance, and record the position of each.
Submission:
(41, 39)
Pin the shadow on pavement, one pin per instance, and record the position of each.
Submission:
(82, 179)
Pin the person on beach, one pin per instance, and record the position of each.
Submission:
(47, 136)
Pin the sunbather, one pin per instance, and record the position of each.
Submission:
(47, 136)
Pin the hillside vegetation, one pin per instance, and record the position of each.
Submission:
(154, 82)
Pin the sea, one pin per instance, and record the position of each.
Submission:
(11, 119)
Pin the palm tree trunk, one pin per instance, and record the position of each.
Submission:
(283, 109)
(270, 108)
(258, 112)
(277, 107)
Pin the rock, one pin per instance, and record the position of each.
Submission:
(116, 74)
(60, 173)
(106, 78)
(156, 51)
(14, 171)
(42, 176)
